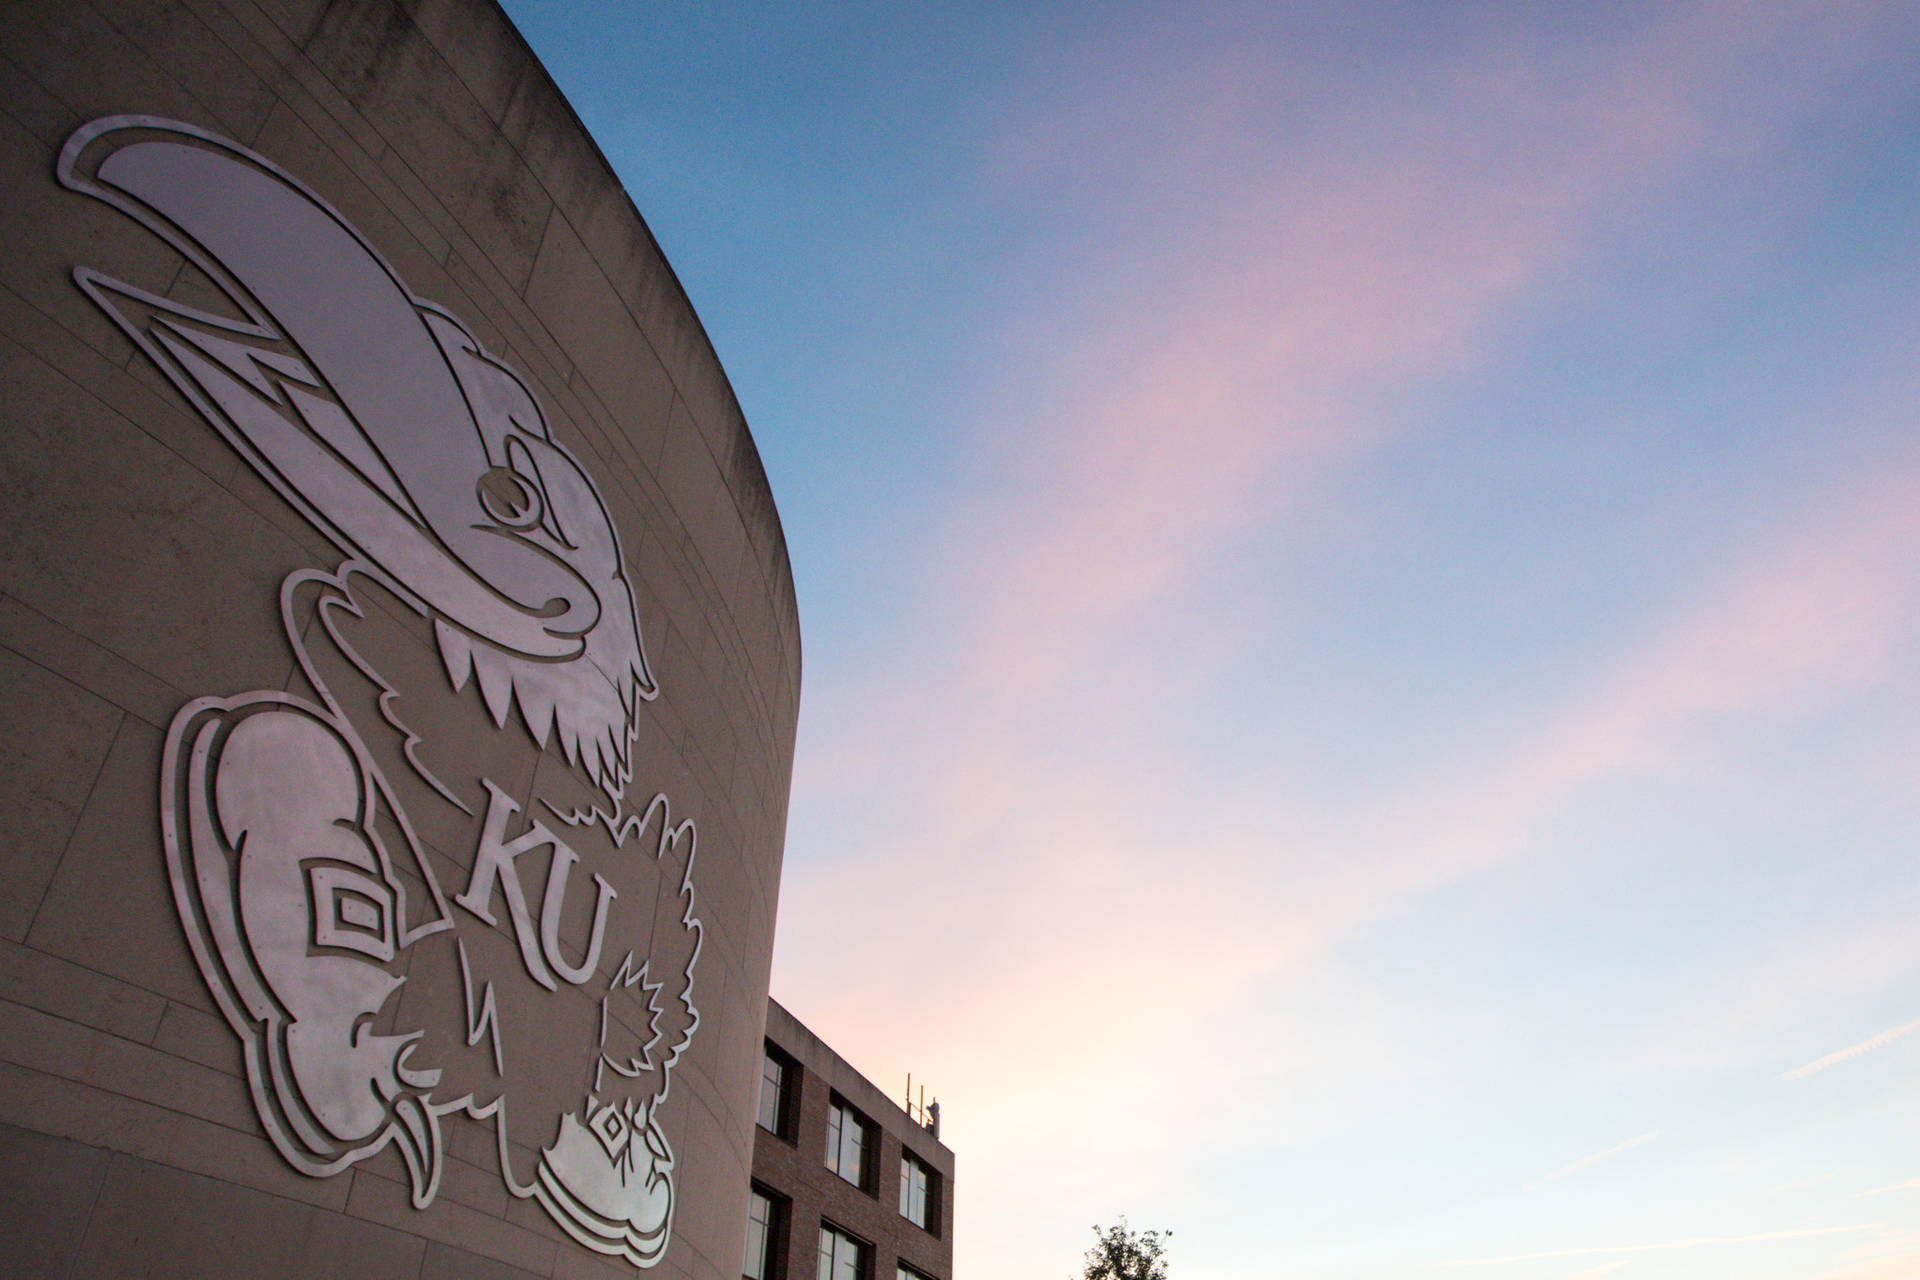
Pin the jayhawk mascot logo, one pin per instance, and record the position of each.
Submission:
(412, 910)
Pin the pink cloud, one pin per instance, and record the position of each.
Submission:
(1049, 908)
(1084, 953)
(1294, 285)
(1290, 282)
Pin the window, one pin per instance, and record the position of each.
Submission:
(901, 1271)
(763, 1237)
(775, 1072)
(846, 1142)
(841, 1256)
(915, 1181)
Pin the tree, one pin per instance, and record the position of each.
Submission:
(1121, 1253)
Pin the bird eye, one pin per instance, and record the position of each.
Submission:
(509, 498)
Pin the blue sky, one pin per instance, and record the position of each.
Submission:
(1360, 579)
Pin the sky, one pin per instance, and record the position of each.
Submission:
(1359, 571)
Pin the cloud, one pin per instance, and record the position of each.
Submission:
(1012, 880)
(1799, 1184)
(1902, 1266)
(1739, 1009)
(1853, 1051)
(1672, 1246)
(1895, 1257)
(1045, 633)
(1599, 1157)
(1092, 946)
(1911, 1184)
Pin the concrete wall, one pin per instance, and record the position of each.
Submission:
(143, 554)
(792, 1167)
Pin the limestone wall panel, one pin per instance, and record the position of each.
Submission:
(170, 586)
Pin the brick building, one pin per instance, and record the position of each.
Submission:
(846, 1184)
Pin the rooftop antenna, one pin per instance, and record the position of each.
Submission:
(923, 1113)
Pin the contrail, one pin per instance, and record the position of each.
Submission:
(1587, 1162)
(1853, 1051)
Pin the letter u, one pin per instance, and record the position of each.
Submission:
(557, 872)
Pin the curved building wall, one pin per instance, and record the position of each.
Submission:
(401, 665)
